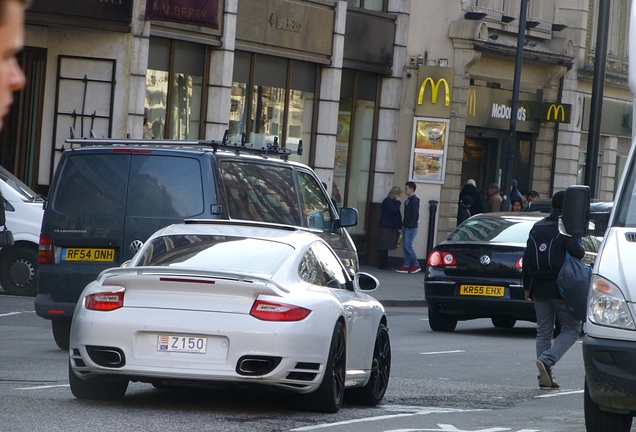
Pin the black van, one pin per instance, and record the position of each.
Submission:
(108, 196)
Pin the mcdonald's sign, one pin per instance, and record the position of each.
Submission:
(555, 112)
(472, 102)
(434, 91)
(433, 81)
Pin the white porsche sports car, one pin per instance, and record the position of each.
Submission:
(233, 301)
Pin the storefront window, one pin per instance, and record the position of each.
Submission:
(279, 103)
(354, 140)
(174, 89)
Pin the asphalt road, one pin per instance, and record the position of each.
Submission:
(476, 379)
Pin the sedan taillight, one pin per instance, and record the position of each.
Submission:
(104, 301)
(272, 311)
(439, 259)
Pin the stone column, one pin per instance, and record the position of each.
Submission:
(329, 101)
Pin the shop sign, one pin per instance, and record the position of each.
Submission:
(555, 112)
(287, 28)
(492, 108)
(616, 119)
(434, 91)
(113, 10)
(203, 13)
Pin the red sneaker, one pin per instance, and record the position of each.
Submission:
(415, 269)
(403, 269)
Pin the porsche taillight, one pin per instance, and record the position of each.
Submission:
(45, 250)
(440, 259)
(274, 311)
(104, 301)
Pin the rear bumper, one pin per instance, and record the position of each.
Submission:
(60, 285)
(610, 372)
(46, 308)
(444, 297)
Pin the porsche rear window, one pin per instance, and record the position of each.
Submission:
(215, 252)
(493, 230)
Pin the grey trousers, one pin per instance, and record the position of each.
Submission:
(550, 351)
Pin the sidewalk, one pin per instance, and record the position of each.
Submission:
(397, 289)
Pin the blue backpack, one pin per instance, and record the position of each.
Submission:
(574, 284)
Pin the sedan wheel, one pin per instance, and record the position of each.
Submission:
(503, 322)
(597, 420)
(100, 388)
(440, 322)
(330, 395)
(373, 392)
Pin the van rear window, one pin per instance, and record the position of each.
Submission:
(93, 184)
(260, 192)
(165, 186)
(151, 185)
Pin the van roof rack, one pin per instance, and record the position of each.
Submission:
(272, 149)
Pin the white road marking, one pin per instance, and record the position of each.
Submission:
(15, 313)
(442, 352)
(42, 387)
(559, 393)
(420, 411)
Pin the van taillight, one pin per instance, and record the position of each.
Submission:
(45, 250)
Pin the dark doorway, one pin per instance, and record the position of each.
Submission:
(483, 158)
(20, 138)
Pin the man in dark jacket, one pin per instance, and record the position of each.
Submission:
(539, 281)
(409, 230)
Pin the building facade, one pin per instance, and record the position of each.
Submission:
(375, 92)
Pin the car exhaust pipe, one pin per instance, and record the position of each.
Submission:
(256, 365)
(107, 356)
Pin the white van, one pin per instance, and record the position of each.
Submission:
(24, 211)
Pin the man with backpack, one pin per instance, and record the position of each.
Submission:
(542, 260)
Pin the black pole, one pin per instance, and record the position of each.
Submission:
(432, 211)
(598, 86)
(512, 136)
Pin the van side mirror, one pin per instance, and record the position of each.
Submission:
(576, 210)
(348, 217)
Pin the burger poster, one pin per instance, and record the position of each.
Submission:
(428, 158)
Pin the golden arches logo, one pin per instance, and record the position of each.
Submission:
(472, 102)
(434, 91)
(555, 110)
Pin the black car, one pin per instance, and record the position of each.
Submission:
(476, 271)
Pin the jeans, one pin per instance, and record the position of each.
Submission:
(408, 236)
(549, 351)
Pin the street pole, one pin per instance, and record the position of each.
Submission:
(514, 111)
(598, 86)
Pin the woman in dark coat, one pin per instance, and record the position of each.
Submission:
(470, 189)
(390, 225)
(465, 209)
